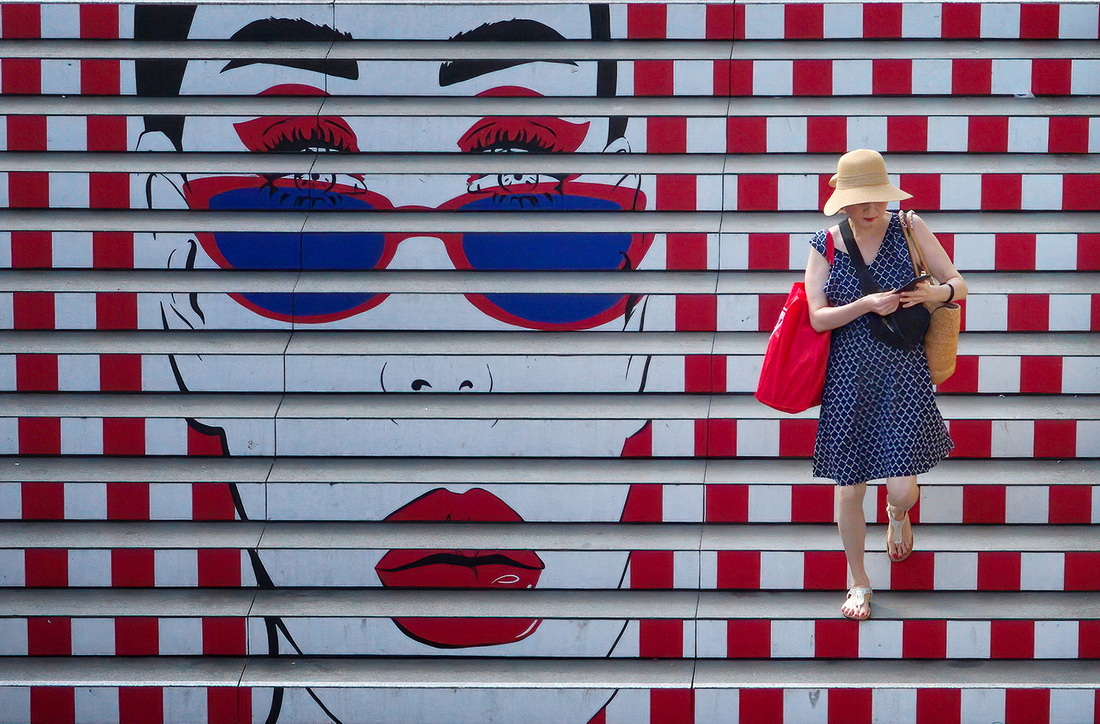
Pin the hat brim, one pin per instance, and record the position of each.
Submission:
(863, 195)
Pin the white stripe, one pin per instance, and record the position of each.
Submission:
(682, 504)
(5, 237)
(183, 636)
(729, 192)
(13, 567)
(13, 637)
(95, 704)
(1077, 20)
(1000, 20)
(175, 567)
(941, 504)
(797, 193)
(1071, 706)
(60, 21)
(1041, 191)
(1055, 252)
(1011, 76)
(1028, 135)
(685, 569)
(170, 501)
(708, 192)
(74, 310)
(7, 373)
(758, 438)
(93, 637)
(956, 572)
(867, 132)
(11, 501)
(69, 190)
(880, 639)
(67, 133)
(165, 436)
(782, 569)
(772, 77)
(763, 21)
(769, 504)
(630, 706)
(9, 435)
(674, 437)
(999, 374)
(1013, 439)
(843, 20)
(706, 135)
(60, 77)
(717, 705)
(85, 501)
(1088, 438)
(89, 568)
(713, 639)
(693, 77)
(982, 705)
(81, 436)
(931, 76)
(797, 252)
(968, 639)
(708, 565)
(1080, 375)
(1070, 312)
(1027, 504)
(921, 20)
(738, 313)
(686, 21)
(1094, 135)
(1042, 571)
(77, 373)
(792, 639)
(987, 312)
(186, 705)
(786, 134)
(733, 252)
(1085, 79)
(714, 245)
(889, 706)
(806, 706)
(742, 373)
(960, 191)
(72, 249)
(1095, 496)
(853, 78)
(948, 133)
(15, 703)
(1056, 639)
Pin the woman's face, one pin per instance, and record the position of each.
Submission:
(865, 216)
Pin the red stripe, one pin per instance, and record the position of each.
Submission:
(672, 706)
(925, 188)
(141, 704)
(812, 77)
(850, 706)
(924, 639)
(987, 134)
(223, 636)
(1002, 192)
(811, 504)
(1070, 504)
(705, 373)
(971, 76)
(1088, 639)
(720, 21)
(999, 571)
(739, 569)
(1055, 439)
(660, 638)
(1014, 251)
(21, 20)
(939, 706)
(726, 504)
(53, 705)
(1027, 706)
(973, 438)
(836, 639)
(984, 503)
(892, 76)
(760, 706)
(747, 135)
(132, 567)
(961, 20)
(1051, 76)
(1039, 20)
(769, 306)
(1082, 572)
(128, 501)
(99, 21)
(716, 438)
(827, 134)
(1088, 252)
(219, 569)
(804, 21)
(228, 705)
(43, 501)
(824, 570)
(1029, 312)
(647, 21)
(49, 636)
(1080, 192)
(769, 251)
(1012, 640)
(683, 251)
(796, 438)
(1068, 134)
(137, 636)
(751, 639)
(918, 573)
(757, 192)
(696, 312)
(45, 567)
(908, 133)
(882, 20)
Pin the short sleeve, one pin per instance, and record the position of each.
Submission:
(818, 241)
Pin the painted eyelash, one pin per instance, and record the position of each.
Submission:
(503, 139)
(298, 140)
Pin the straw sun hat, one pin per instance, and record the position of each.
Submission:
(861, 178)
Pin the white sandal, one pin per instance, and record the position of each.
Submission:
(859, 596)
(894, 532)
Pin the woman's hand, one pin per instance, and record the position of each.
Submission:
(923, 292)
(882, 303)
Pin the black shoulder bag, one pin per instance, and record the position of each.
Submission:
(903, 328)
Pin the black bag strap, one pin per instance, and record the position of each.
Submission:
(865, 281)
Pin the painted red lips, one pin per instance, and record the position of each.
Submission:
(428, 568)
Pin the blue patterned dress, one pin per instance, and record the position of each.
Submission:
(878, 413)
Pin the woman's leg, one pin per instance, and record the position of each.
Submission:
(852, 523)
(901, 495)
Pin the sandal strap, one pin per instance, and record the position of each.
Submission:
(859, 595)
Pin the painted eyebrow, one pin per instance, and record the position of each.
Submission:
(515, 30)
(291, 29)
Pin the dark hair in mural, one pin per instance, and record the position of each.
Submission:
(173, 23)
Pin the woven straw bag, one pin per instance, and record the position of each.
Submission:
(941, 342)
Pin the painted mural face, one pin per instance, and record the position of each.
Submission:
(366, 192)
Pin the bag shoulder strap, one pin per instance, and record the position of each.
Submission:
(915, 253)
(865, 281)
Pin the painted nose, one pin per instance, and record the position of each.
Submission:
(436, 374)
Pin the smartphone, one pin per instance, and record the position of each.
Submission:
(912, 283)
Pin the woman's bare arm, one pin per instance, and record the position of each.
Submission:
(824, 317)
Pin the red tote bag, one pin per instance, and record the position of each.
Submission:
(793, 375)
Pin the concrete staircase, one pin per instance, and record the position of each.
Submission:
(147, 576)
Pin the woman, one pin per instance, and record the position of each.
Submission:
(878, 415)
